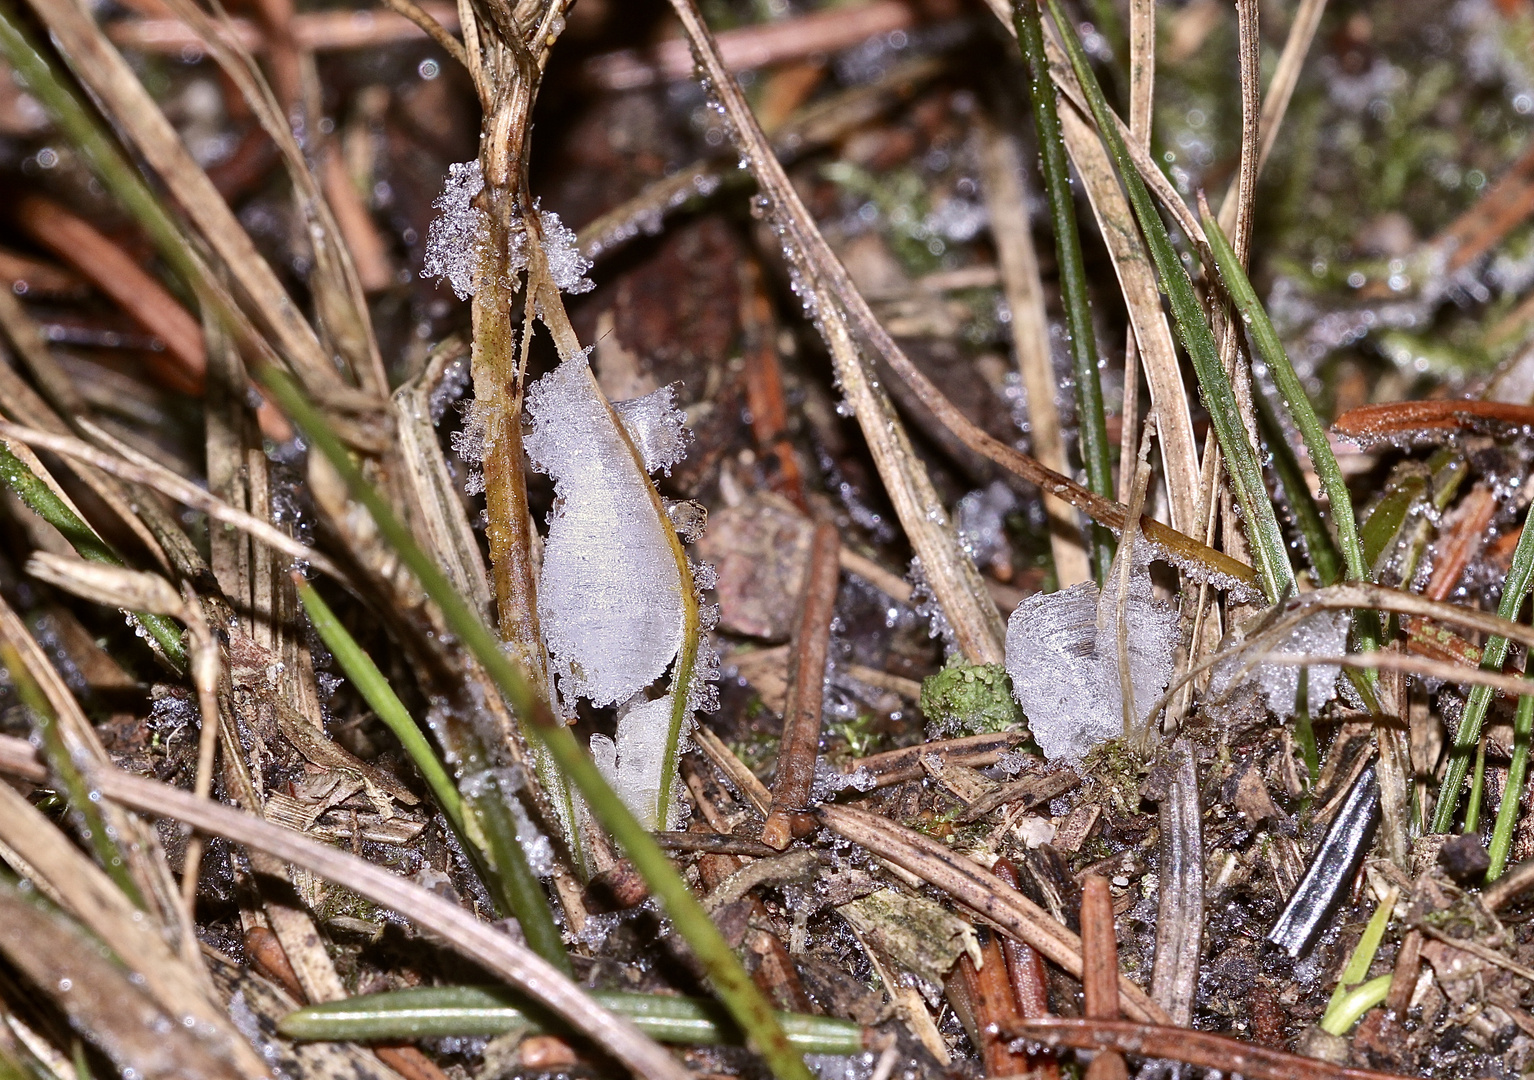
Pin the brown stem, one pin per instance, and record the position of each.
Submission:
(1100, 969)
(1201, 1048)
(806, 693)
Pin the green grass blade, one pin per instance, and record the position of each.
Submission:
(1512, 794)
(380, 696)
(466, 1011)
(1514, 590)
(1358, 964)
(92, 826)
(1312, 431)
(1325, 559)
(1267, 540)
(1296, 401)
(1073, 275)
(1477, 789)
(1355, 1003)
(43, 501)
(494, 845)
(729, 979)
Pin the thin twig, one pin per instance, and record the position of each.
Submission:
(1099, 977)
(977, 889)
(800, 745)
(1220, 1052)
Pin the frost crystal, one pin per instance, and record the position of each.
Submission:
(1062, 654)
(657, 427)
(1322, 634)
(610, 591)
(457, 244)
(632, 763)
(567, 266)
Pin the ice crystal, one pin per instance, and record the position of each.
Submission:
(657, 427)
(1062, 654)
(610, 591)
(457, 245)
(631, 762)
(458, 242)
(1322, 634)
(567, 266)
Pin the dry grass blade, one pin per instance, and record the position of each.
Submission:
(89, 895)
(476, 940)
(99, 997)
(1007, 205)
(138, 469)
(102, 68)
(978, 890)
(1286, 76)
(1142, 299)
(836, 302)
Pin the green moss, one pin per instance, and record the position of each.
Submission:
(970, 699)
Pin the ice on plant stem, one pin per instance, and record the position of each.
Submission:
(631, 762)
(567, 266)
(610, 591)
(1062, 654)
(457, 246)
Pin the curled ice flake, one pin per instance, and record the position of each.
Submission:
(632, 762)
(1323, 634)
(457, 245)
(610, 592)
(1062, 654)
(657, 427)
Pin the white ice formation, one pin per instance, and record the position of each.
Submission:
(632, 762)
(1323, 634)
(1062, 655)
(457, 244)
(610, 591)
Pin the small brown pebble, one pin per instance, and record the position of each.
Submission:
(1464, 858)
(546, 1052)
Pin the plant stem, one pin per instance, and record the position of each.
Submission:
(1268, 549)
(1477, 789)
(1352, 1006)
(735, 988)
(1073, 276)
